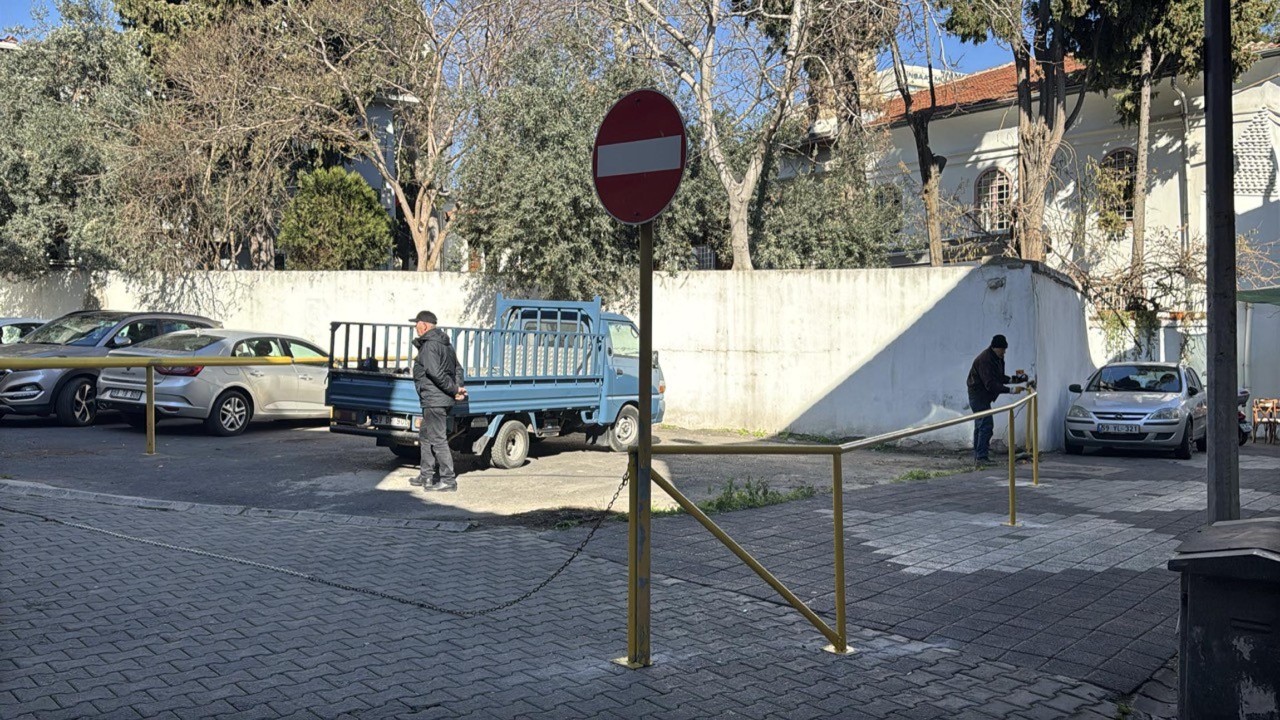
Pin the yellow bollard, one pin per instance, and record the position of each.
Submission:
(1035, 439)
(837, 507)
(151, 410)
(1013, 487)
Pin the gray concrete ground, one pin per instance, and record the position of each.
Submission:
(302, 466)
(953, 614)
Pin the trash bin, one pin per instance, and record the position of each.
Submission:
(1229, 659)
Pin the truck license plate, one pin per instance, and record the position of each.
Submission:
(127, 394)
(1120, 429)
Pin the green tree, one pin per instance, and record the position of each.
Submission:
(65, 93)
(335, 222)
(527, 202)
(1041, 36)
(828, 216)
(1141, 41)
(160, 24)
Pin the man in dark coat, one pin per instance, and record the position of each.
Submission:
(986, 383)
(437, 375)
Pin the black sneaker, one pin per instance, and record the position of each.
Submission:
(441, 487)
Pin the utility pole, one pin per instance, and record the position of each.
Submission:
(1224, 459)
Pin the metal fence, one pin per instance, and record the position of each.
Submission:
(838, 635)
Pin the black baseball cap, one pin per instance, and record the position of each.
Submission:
(425, 316)
(999, 342)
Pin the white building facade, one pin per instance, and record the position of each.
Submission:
(975, 129)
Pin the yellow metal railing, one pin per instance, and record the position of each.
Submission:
(150, 363)
(838, 635)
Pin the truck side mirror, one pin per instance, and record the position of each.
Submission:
(655, 358)
(1075, 388)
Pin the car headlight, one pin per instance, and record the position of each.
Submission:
(1078, 412)
(1169, 413)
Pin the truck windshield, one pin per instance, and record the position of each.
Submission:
(625, 339)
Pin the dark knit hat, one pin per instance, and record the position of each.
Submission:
(425, 316)
(999, 342)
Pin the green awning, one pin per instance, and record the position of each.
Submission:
(1268, 295)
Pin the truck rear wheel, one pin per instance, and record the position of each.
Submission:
(510, 446)
(624, 433)
(407, 452)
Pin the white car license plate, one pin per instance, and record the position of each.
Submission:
(127, 394)
(1120, 429)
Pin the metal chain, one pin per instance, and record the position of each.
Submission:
(340, 585)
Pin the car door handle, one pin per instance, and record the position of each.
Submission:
(257, 373)
(304, 377)
(618, 371)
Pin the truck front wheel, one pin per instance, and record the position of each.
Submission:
(510, 446)
(624, 433)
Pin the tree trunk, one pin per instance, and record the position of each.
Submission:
(740, 231)
(933, 216)
(1140, 171)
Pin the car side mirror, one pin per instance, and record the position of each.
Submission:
(655, 358)
(1075, 388)
(121, 342)
(1192, 390)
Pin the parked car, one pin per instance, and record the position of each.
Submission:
(226, 398)
(13, 329)
(1139, 405)
(70, 394)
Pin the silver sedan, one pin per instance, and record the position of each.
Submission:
(1139, 405)
(225, 398)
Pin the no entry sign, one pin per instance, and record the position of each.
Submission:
(639, 155)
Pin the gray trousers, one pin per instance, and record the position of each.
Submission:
(433, 440)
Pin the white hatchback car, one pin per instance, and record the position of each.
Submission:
(1140, 405)
(226, 398)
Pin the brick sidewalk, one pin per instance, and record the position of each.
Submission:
(954, 615)
(95, 626)
(1079, 589)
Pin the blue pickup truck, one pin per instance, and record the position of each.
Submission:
(544, 369)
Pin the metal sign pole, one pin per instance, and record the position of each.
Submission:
(642, 489)
(1224, 459)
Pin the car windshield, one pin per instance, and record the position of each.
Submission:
(86, 329)
(1136, 378)
(180, 342)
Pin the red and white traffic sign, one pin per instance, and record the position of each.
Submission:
(639, 155)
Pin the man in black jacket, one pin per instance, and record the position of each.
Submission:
(437, 375)
(986, 383)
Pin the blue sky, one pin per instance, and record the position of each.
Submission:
(18, 12)
(966, 58)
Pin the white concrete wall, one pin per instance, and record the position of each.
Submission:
(835, 353)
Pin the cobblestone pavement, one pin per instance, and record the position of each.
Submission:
(1078, 589)
(947, 623)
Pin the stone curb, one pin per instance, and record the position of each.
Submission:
(18, 487)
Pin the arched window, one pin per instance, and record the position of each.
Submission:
(1120, 175)
(993, 200)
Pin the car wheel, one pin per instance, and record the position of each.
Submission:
(1073, 448)
(77, 404)
(510, 446)
(407, 452)
(624, 433)
(1244, 437)
(1184, 448)
(230, 415)
(137, 421)
(1202, 444)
